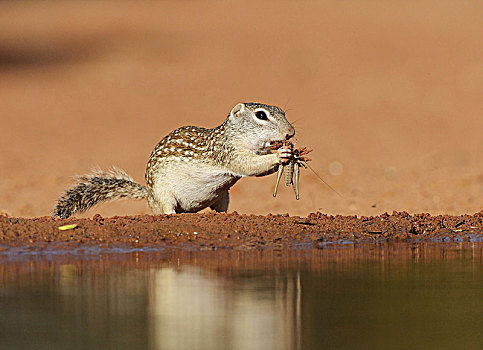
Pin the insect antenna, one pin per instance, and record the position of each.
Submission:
(321, 179)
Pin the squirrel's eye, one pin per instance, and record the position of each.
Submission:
(261, 115)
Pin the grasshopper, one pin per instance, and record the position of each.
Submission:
(291, 171)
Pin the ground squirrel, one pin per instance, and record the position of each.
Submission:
(193, 168)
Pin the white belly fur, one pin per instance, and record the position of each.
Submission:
(195, 186)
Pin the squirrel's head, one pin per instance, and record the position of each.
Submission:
(258, 124)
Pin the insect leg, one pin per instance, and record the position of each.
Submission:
(279, 175)
(295, 185)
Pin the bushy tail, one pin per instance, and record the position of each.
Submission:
(95, 188)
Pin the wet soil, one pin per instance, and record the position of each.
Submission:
(213, 231)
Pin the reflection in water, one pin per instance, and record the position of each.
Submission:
(193, 310)
(375, 297)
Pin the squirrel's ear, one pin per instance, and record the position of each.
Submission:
(237, 109)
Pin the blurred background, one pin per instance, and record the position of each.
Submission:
(388, 94)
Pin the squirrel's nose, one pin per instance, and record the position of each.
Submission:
(291, 133)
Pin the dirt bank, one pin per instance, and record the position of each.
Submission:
(234, 231)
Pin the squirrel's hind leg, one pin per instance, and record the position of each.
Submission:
(162, 206)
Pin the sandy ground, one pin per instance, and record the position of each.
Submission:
(387, 94)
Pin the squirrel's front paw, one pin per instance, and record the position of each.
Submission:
(285, 154)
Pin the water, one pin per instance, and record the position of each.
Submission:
(420, 296)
